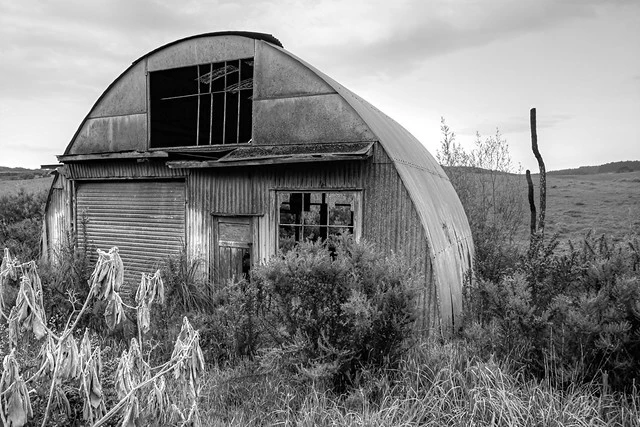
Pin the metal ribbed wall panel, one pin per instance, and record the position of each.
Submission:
(391, 222)
(246, 191)
(57, 217)
(144, 219)
(123, 169)
(198, 219)
(320, 175)
(232, 192)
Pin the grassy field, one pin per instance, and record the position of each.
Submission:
(34, 185)
(601, 203)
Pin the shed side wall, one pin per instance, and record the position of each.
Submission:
(57, 218)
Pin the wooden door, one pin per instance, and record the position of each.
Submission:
(233, 248)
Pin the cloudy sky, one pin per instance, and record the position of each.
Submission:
(480, 64)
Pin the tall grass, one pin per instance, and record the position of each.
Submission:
(436, 385)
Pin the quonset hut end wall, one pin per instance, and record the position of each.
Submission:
(354, 169)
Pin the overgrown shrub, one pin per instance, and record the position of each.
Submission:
(333, 313)
(21, 222)
(493, 196)
(231, 329)
(569, 316)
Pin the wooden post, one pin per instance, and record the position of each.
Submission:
(543, 172)
(532, 203)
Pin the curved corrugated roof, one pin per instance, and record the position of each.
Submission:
(269, 38)
(435, 199)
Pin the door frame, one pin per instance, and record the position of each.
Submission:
(214, 258)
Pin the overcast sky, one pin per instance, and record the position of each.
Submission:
(479, 64)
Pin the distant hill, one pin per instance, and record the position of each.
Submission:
(613, 167)
(12, 174)
(472, 169)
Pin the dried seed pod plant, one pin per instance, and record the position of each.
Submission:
(151, 290)
(15, 405)
(141, 390)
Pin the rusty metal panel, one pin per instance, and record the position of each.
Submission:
(111, 134)
(201, 51)
(127, 95)
(126, 169)
(281, 76)
(144, 219)
(307, 119)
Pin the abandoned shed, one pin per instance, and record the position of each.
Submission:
(231, 148)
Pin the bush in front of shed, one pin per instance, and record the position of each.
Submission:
(331, 310)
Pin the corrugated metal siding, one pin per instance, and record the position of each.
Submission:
(144, 219)
(392, 223)
(57, 217)
(199, 221)
(247, 191)
(390, 220)
(123, 169)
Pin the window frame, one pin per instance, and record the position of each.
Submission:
(242, 113)
(357, 208)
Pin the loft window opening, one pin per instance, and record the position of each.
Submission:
(201, 105)
(315, 216)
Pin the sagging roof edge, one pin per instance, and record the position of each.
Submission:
(249, 34)
(445, 253)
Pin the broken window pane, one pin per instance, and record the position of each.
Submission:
(341, 206)
(205, 104)
(311, 233)
(314, 216)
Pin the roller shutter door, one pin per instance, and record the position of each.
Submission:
(144, 219)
